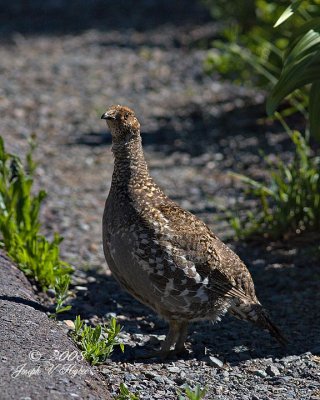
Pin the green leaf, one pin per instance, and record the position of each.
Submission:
(97, 344)
(252, 183)
(305, 46)
(288, 12)
(312, 24)
(63, 309)
(96, 333)
(2, 150)
(314, 110)
(302, 66)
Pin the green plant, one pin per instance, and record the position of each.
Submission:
(62, 294)
(290, 202)
(247, 42)
(284, 59)
(192, 394)
(301, 65)
(125, 393)
(97, 343)
(20, 226)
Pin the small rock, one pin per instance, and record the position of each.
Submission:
(84, 227)
(149, 374)
(81, 288)
(182, 375)
(272, 370)
(80, 273)
(78, 280)
(93, 247)
(280, 366)
(286, 360)
(69, 323)
(225, 375)
(215, 362)
(51, 293)
(129, 377)
(280, 381)
(158, 379)
(260, 372)
(110, 315)
(173, 369)
(180, 379)
(169, 381)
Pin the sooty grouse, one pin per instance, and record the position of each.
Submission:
(163, 255)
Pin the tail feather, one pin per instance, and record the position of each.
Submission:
(265, 322)
(256, 314)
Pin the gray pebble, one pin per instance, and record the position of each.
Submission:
(173, 369)
(129, 377)
(225, 375)
(260, 372)
(169, 381)
(159, 379)
(81, 288)
(215, 362)
(182, 375)
(272, 370)
(289, 359)
(51, 293)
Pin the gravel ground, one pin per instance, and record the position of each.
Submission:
(195, 130)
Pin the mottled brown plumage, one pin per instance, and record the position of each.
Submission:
(163, 255)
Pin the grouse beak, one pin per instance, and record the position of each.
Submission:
(107, 116)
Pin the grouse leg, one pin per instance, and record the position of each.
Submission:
(183, 332)
(176, 336)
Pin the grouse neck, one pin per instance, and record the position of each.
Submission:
(129, 161)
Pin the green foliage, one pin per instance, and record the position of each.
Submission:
(290, 10)
(97, 343)
(285, 59)
(290, 202)
(192, 394)
(125, 393)
(189, 394)
(301, 66)
(37, 257)
(62, 294)
(248, 40)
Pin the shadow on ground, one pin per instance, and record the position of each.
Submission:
(36, 17)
